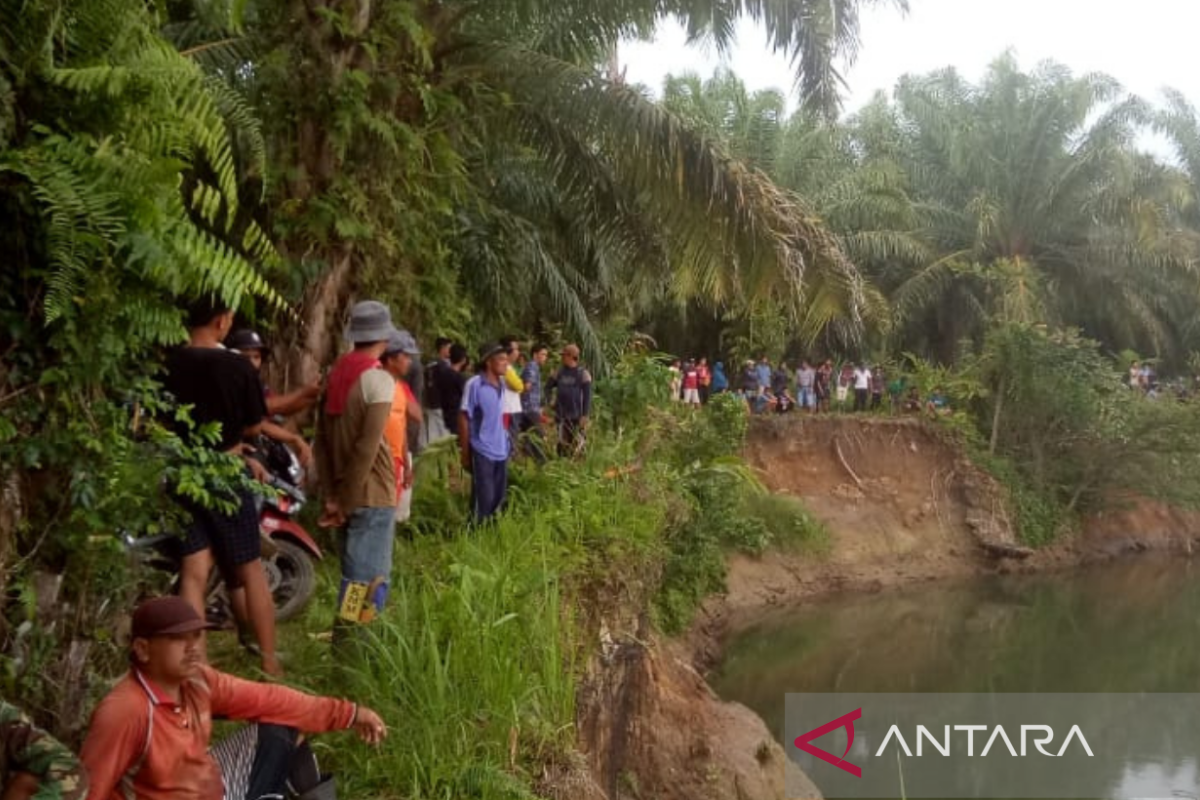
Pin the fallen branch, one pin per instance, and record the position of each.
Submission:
(837, 448)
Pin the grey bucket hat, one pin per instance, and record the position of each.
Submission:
(401, 341)
(370, 321)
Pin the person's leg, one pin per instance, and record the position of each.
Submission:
(267, 761)
(238, 550)
(196, 556)
(491, 482)
(500, 480)
(193, 578)
(366, 563)
(260, 613)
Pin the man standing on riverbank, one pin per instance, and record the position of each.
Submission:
(485, 444)
(531, 403)
(358, 478)
(222, 387)
(806, 380)
(572, 387)
(862, 386)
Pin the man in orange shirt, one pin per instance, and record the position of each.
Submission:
(149, 738)
(397, 359)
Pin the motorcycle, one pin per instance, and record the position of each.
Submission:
(288, 551)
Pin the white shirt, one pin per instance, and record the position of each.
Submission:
(862, 378)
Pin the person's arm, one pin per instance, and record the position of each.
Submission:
(116, 741)
(379, 388)
(38, 765)
(323, 446)
(587, 396)
(293, 440)
(412, 408)
(295, 401)
(513, 380)
(464, 439)
(239, 699)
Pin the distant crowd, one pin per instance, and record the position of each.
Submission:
(812, 387)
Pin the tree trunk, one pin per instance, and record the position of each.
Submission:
(315, 339)
(996, 418)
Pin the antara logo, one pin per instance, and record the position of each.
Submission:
(804, 742)
(944, 747)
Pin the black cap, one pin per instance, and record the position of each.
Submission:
(245, 339)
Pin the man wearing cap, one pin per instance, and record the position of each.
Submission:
(358, 478)
(250, 344)
(149, 738)
(485, 444)
(397, 359)
(572, 390)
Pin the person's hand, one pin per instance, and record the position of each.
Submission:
(331, 516)
(311, 391)
(258, 471)
(369, 727)
(583, 423)
(466, 462)
(408, 478)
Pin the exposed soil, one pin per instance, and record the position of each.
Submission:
(902, 505)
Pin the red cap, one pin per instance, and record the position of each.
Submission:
(164, 616)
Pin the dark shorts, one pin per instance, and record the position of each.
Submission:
(233, 538)
(260, 761)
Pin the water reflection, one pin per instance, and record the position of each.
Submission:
(1128, 627)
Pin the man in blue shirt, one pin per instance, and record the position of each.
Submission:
(763, 372)
(484, 442)
(572, 385)
(531, 403)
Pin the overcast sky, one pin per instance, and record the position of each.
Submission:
(1145, 44)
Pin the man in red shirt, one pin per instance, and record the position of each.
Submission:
(149, 738)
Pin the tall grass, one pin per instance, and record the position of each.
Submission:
(476, 661)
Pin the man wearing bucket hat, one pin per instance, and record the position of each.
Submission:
(358, 478)
(485, 444)
(149, 738)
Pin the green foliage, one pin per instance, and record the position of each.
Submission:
(118, 182)
(1048, 415)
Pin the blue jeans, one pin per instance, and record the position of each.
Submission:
(489, 485)
(805, 397)
(367, 559)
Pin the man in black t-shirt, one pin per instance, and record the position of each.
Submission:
(447, 384)
(222, 387)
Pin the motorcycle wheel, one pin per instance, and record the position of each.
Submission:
(291, 577)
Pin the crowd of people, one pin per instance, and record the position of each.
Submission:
(378, 405)
(812, 387)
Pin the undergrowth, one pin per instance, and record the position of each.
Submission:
(476, 663)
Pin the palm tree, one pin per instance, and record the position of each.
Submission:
(1037, 207)
(481, 146)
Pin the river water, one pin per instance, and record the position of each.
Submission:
(1127, 627)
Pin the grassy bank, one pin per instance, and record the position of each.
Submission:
(477, 661)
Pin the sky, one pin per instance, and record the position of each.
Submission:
(1144, 44)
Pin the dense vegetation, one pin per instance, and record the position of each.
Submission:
(482, 169)
(469, 163)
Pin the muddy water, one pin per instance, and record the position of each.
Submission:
(1131, 627)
